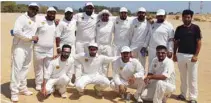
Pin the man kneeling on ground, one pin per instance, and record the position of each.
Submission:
(161, 77)
(59, 73)
(127, 72)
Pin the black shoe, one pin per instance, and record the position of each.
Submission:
(192, 101)
(181, 97)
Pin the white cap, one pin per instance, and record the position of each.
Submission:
(33, 4)
(123, 9)
(89, 4)
(142, 9)
(93, 44)
(68, 9)
(51, 9)
(125, 49)
(105, 11)
(161, 12)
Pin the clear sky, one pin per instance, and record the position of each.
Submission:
(169, 6)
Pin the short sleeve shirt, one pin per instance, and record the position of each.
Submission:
(187, 38)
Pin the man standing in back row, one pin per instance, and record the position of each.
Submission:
(86, 25)
(104, 33)
(122, 31)
(24, 35)
(162, 34)
(65, 31)
(45, 46)
(186, 50)
(141, 28)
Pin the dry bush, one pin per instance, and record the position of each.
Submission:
(177, 17)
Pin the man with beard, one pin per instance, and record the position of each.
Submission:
(161, 77)
(122, 31)
(104, 31)
(24, 34)
(162, 34)
(141, 28)
(65, 31)
(91, 65)
(59, 73)
(186, 49)
(127, 72)
(45, 46)
(86, 25)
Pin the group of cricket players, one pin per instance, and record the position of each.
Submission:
(87, 44)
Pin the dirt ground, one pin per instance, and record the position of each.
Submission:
(7, 23)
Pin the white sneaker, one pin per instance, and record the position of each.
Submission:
(27, 93)
(64, 95)
(38, 88)
(139, 100)
(14, 98)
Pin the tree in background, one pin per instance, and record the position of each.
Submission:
(8, 6)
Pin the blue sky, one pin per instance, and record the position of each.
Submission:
(169, 6)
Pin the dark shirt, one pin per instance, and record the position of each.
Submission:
(187, 38)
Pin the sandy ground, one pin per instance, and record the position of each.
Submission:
(7, 23)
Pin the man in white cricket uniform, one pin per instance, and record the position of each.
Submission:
(59, 73)
(65, 31)
(91, 66)
(24, 34)
(141, 28)
(122, 31)
(86, 25)
(162, 34)
(45, 46)
(104, 31)
(128, 72)
(161, 78)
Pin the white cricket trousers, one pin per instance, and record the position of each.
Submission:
(101, 81)
(137, 54)
(152, 55)
(188, 75)
(157, 90)
(20, 60)
(105, 50)
(57, 83)
(138, 85)
(40, 64)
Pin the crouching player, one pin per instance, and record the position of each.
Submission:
(128, 72)
(59, 73)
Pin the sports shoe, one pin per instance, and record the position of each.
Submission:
(14, 98)
(27, 93)
(139, 100)
(181, 97)
(97, 92)
(64, 95)
(38, 88)
(192, 101)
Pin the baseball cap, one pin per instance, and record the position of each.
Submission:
(161, 12)
(68, 9)
(125, 49)
(142, 9)
(123, 9)
(93, 44)
(33, 4)
(51, 9)
(89, 4)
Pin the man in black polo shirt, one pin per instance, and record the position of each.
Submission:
(186, 49)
